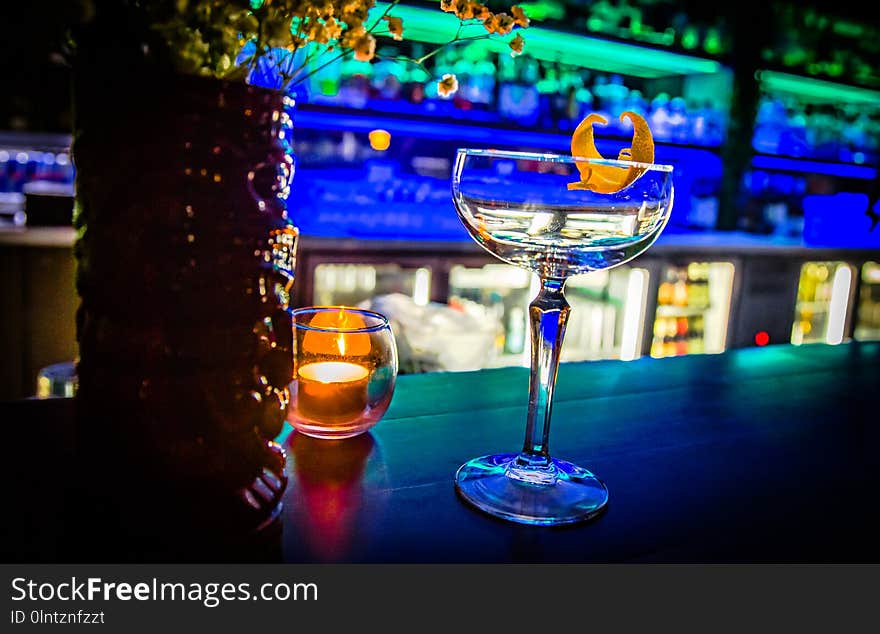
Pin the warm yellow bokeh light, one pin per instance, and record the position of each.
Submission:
(380, 140)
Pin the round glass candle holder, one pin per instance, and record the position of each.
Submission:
(345, 367)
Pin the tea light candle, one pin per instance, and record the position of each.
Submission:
(332, 391)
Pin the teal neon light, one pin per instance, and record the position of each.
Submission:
(816, 90)
(435, 27)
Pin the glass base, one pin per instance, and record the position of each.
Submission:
(330, 432)
(559, 493)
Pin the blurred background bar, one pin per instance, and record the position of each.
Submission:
(769, 113)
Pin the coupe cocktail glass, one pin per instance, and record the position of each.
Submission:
(518, 207)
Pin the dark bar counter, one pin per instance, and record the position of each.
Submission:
(754, 455)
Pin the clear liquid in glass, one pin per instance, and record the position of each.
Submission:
(557, 241)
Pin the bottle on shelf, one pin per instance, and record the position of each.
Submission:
(354, 83)
(682, 306)
(666, 291)
(793, 139)
(565, 103)
(682, 335)
(548, 88)
(868, 316)
(518, 98)
(481, 90)
(697, 343)
(769, 125)
(636, 102)
(814, 295)
(659, 117)
(715, 124)
(671, 338)
(678, 120)
(680, 289)
(612, 96)
(698, 285)
(463, 68)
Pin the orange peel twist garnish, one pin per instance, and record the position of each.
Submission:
(608, 179)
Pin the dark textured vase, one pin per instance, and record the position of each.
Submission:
(185, 261)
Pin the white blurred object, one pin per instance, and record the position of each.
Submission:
(437, 337)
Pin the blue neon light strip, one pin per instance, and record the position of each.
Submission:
(443, 131)
(472, 135)
(815, 167)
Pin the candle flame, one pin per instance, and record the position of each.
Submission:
(340, 339)
(336, 334)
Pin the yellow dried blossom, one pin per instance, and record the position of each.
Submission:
(357, 9)
(351, 6)
(297, 41)
(323, 9)
(519, 16)
(481, 11)
(499, 23)
(516, 45)
(465, 9)
(354, 12)
(318, 33)
(333, 28)
(447, 86)
(351, 35)
(365, 49)
(395, 26)
(228, 39)
(362, 43)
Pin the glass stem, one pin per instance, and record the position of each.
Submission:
(548, 314)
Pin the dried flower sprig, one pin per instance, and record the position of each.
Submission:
(471, 13)
(448, 85)
(283, 42)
